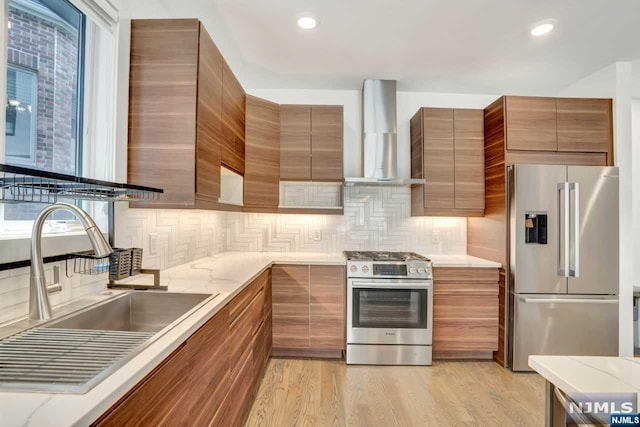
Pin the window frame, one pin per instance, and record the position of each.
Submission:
(66, 237)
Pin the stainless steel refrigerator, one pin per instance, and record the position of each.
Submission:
(563, 261)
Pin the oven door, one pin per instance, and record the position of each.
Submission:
(389, 311)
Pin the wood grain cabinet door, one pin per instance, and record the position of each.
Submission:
(438, 158)
(295, 142)
(209, 369)
(240, 393)
(233, 121)
(290, 293)
(531, 123)
(469, 159)
(209, 114)
(162, 108)
(262, 154)
(465, 311)
(417, 148)
(327, 307)
(161, 399)
(326, 143)
(584, 125)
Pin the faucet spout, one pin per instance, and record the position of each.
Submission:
(39, 304)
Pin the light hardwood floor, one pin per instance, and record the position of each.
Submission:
(297, 392)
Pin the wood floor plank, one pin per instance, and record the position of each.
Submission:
(309, 393)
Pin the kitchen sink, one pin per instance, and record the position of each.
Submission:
(141, 311)
(77, 351)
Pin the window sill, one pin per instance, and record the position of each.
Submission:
(15, 249)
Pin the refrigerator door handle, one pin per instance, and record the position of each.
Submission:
(570, 300)
(563, 230)
(575, 187)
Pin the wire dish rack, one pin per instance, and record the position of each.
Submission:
(24, 185)
(120, 264)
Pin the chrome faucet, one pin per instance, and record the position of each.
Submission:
(39, 305)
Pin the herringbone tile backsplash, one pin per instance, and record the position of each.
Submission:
(375, 218)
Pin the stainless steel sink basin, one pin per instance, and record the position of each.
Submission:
(136, 312)
(77, 351)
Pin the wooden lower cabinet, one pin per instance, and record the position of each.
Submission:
(465, 312)
(308, 309)
(290, 287)
(210, 380)
(161, 399)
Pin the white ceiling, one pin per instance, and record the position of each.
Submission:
(460, 46)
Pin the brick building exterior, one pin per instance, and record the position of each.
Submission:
(42, 43)
(50, 50)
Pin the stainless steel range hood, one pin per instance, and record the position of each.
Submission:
(379, 134)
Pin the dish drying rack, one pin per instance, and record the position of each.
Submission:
(24, 185)
(120, 264)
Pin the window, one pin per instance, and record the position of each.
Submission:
(20, 127)
(44, 81)
(55, 120)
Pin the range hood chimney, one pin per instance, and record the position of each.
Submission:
(379, 134)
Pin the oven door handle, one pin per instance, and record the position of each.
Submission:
(391, 286)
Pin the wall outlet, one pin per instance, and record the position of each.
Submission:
(316, 235)
(435, 236)
(153, 243)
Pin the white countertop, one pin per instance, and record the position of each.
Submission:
(589, 374)
(227, 274)
(462, 261)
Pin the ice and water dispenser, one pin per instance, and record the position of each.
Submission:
(535, 224)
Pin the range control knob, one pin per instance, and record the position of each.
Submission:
(421, 270)
(353, 268)
(365, 269)
(412, 270)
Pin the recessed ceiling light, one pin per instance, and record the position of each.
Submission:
(542, 28)
(307, 22)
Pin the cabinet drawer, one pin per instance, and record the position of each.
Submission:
(242, 300)
(243, 329)
(160, 400)
(240, 395)
(464, 274)
(209, 377)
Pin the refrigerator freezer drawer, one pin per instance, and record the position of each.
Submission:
(570, 325)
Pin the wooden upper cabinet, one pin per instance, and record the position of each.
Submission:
(417, 151)
(295, 142)
(584, 125)
(531, 123)
(163, 97)
(439, 190)
(469, 159)
(554, 130)
(447, 150)
(311, 143)
(233, 121)
(262, 154)
(209, 118)
(186, 114)
(326, 143)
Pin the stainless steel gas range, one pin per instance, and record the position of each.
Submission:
(389, 308)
